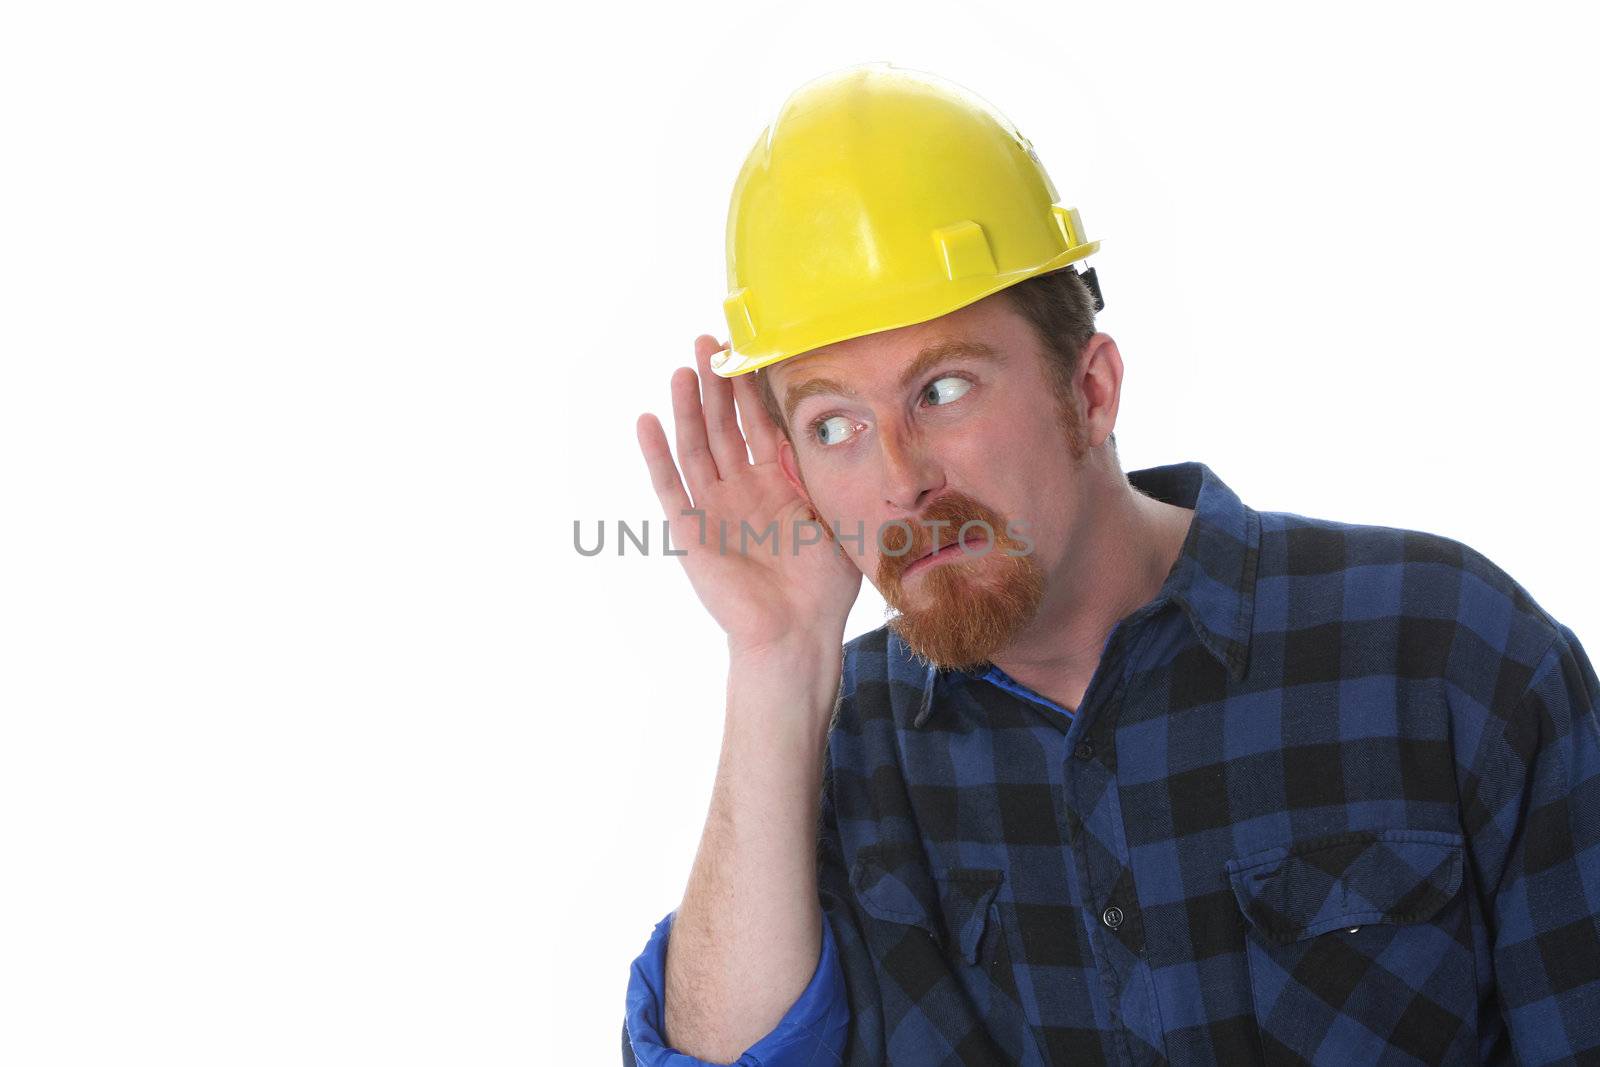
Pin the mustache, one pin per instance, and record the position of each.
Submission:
(936, 527)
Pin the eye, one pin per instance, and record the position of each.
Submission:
(944, 390)
(832, 430)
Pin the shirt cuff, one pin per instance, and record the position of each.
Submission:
(811, 1032)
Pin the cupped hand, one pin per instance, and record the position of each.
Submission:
(756, 555)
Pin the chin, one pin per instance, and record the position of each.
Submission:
(951, 617)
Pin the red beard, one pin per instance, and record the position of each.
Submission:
(962, 610)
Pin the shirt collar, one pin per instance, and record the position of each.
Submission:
(1213, 580)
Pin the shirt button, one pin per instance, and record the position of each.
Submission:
(1112, 917)
(1084, 750)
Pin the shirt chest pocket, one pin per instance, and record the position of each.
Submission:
(940, 944)
(1358, 945)
(956, 908)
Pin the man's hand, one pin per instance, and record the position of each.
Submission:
(760, 598)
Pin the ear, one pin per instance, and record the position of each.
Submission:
(1099, 387)
(791, 469)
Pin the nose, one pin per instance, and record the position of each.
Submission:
(912, 475)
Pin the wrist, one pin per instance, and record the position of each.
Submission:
(795, 647)
(801, 673)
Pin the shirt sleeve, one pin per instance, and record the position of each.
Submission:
(838, 1019)
(811, 1032)
(1534, 825)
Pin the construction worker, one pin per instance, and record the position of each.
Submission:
(1136, 773)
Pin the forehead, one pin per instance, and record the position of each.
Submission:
(879, 360)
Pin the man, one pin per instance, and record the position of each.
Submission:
(1136, 773)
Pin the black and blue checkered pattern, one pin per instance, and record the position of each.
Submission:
(1332, 797)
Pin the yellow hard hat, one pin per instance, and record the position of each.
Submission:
(878, 198)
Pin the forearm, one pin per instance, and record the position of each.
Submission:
(746, 937)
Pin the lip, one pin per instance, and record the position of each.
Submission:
(956, 550)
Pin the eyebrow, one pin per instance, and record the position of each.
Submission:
(934, 354)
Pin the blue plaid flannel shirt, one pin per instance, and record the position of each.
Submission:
(1331, 797)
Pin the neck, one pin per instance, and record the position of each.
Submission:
(1116, 563)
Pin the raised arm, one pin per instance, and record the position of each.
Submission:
(747, 939)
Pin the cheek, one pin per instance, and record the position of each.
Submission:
(1050, 526)
(986, 445)
(845, 507)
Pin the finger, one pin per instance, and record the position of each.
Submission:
(689, 424)
(722, 425)
(663, 472)
(759, 429)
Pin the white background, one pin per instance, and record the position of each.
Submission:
(321, 323)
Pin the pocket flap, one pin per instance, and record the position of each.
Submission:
(966, 894)
(952, 906)
(1351, 879)
(895, 887)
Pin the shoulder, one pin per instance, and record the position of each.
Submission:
(879, 658)
(880, 681)
(866, 655)
(1449, 609)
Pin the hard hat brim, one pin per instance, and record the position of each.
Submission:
(730, 363)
